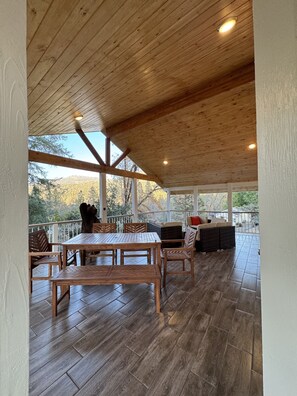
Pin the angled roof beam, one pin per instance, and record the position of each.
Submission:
(88, 143)
(44, 158)
(120, 158)
(215, 87)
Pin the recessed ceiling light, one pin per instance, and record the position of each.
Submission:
(78, 117)
(252, 146)
(227, 25)
(165, 162)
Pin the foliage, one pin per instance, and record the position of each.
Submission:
(52, 144)
(246, 199)
(37, 207)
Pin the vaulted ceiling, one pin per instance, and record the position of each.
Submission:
(155, 76)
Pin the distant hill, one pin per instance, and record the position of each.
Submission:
(77, 189)
(76, 180)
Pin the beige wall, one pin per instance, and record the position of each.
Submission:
(275, 25)
(13, 200)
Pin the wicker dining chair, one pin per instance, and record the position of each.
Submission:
(104, 228)
(183, 254)
(40, 252)
(133, 228)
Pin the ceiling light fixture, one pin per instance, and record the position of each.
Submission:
(78, 117)
(165, 162)
(252, 146)
(227, 25)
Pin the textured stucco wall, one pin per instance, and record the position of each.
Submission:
(14, 323)
(275, 25)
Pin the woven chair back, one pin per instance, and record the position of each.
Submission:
(105, 227)
(190, 237)
(135, 227)
(38, 242)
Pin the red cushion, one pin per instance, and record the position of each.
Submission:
(196, 220)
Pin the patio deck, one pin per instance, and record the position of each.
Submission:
(110, 341)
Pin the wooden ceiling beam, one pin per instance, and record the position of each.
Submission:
(44, 158)
(88, 143)
(215, 87)
(120, 158)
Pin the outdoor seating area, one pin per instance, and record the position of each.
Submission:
(108, 339)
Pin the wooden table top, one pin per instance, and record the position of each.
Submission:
(114, 240)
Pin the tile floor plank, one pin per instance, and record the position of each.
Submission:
(224, 314)
(149, 366)
(193, 334)
(242, 331)
(208, 363)
(195, 386)
(110, 376)
(236, 373)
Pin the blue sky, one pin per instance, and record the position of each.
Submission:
(79, 151)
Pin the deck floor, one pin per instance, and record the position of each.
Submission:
(110, 341)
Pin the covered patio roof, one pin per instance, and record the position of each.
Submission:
(156, 77)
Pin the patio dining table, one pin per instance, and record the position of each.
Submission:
(111, 241)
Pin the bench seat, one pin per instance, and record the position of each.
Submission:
(105, 275)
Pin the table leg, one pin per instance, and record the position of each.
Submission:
(64, 256)
(54, 299)
(157, 296)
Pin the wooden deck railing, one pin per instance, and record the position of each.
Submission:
(60, 231)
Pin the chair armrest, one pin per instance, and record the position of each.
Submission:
(55, 244)
(181, 249)
(172, 240)
(178, 249)
(32, 254)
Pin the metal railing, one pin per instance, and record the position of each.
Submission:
(245, 222)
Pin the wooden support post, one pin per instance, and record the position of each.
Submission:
(55, 238)
(134, 200)
(107, 151)
(230, 202)
(103, 209)
(196, 196)
(168, 205)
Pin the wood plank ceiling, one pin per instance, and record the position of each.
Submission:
(131, 68)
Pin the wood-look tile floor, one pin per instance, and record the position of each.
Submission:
(110, 341)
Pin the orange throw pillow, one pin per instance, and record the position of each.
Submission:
(196, 220)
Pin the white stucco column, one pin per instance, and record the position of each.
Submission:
(196, 197)
(168, 205)
(230, 202)
(275, 27)
(134, 200)
(14, 308)
(103, 208)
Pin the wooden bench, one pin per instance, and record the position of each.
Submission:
(105, 275)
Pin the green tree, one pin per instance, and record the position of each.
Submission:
(51, 144)
(245, 199)
(93, 198)
(37, 207)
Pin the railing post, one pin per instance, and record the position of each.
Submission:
(196, 196)
(103, 211)
(55, 233)
(230, 203)
(134, 200)
(168, 205)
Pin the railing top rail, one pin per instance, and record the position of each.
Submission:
(127, 215)
(55, 222)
